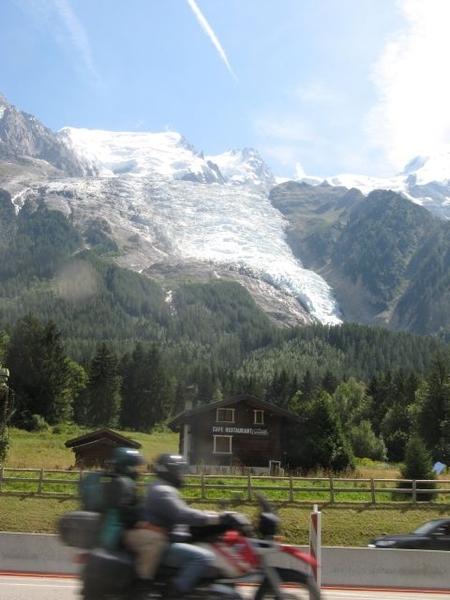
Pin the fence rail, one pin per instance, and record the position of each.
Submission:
(216, 488)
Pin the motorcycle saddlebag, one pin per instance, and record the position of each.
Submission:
(108, 571)
(80, 528)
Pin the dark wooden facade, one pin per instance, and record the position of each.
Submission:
(93, 449)
(239, 431)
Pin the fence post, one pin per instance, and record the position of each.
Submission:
(291, 489)
(1, 478)
(372, 490)
(249, 487)
(331, 490)
(41, 477)
(315, 543)
(202, 482)
(414, 491)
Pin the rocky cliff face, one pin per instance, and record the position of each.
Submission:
(27, 142)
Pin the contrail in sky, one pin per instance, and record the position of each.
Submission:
(210, 33)
(77, 34)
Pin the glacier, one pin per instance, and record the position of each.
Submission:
(142, 188)
(237, 228)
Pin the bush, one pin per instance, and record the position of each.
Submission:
(37, 423)
(4, 445)
(419, 466)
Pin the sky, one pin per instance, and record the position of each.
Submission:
(318, 87)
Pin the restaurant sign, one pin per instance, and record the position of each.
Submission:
(219, 429)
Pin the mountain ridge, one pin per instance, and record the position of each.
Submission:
(171, 212)
(162, 207)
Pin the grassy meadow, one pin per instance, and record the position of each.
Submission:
(343, 524)
(46, 450)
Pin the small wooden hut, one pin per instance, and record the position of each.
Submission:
(94, 448)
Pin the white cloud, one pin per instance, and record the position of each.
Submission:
(412, 116)
(57, 19)
(210, 33)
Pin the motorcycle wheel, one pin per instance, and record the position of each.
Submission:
(296, 586)
(90, 595)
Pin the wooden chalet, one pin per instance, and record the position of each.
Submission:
(93, 449)
(240, 431)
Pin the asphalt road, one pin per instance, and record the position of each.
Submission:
(51, 588)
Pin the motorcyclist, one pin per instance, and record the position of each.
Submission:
(126, 464)
(165, 509)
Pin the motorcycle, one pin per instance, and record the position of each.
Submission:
(244, 559)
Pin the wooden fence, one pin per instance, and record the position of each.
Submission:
(238, 488)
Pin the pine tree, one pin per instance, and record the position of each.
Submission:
(55, 365)
(40, 375)
(103, 389)
(147, 391)
(435, 411)
(318, 441)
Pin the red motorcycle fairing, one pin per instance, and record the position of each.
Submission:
(303, 556)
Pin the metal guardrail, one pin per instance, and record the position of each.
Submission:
(64, 484)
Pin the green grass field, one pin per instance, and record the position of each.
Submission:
(349, 524)
(46, 450)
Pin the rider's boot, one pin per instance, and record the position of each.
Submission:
(173, 592)
(144, 589)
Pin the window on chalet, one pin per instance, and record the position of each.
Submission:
(258, 417)
(225, 415)
(223, 444)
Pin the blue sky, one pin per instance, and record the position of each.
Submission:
(320, 86)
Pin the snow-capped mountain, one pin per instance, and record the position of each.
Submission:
(169, 207)
(244, 167)
(167, 155)
(166, 204)
(154, 186)
(140, 155)
(425, 180)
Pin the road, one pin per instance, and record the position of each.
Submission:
(54, 588)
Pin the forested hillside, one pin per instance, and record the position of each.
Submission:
(385, 257)
(87, 341)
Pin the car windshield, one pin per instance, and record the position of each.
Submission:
(425, 527)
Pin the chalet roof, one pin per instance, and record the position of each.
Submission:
(243, 398)
(105, 435)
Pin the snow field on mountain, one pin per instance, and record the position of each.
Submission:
(226, 225)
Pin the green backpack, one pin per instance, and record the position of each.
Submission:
(93, 489)
(95, 493)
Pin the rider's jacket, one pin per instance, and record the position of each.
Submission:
(123, 496)
(124, 510)
(165, 508)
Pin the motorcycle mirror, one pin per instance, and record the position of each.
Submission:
(266, 506)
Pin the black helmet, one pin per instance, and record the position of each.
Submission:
(171, 468)
(125, 461)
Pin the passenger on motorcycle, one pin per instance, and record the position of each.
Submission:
(147, 544)
(165, 509)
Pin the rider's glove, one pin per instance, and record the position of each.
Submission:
(227, 520)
